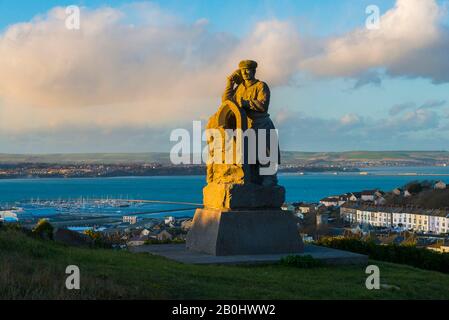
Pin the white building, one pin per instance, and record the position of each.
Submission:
(348, 214)
(164, 235)
(8, 216)
(440, 185)
(130, 219)
(442, 249)
(303, 209)
(355, 196)
(169, 220)
(428, 221)
(334, 201)
(368, 195)
(186, 224)
(379, 201)
(137, 241)
(288, 207)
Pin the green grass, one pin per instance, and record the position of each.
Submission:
(90, 158)
(35, 269)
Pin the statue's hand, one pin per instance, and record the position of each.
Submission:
(243, 103)
(236, 77)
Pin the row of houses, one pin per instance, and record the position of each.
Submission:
(415, 219)
(146, 235)
(8, 216)
(438, 185)
(375, 196)
(160, 232)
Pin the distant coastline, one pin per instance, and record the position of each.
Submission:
(364, 158)
(42, 171)
(99, 165)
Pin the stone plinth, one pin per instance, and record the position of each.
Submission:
(223, 233)
(178, 252)
(242, 196)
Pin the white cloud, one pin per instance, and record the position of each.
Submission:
(140, 67)
(350, 119)
(411, 41)
(414, 129)
(135, 65)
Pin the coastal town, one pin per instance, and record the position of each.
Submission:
(89, 170)
(396, 216)
(159, 164)
(400, 216)
(86, 170)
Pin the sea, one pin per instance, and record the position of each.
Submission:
(307, 187)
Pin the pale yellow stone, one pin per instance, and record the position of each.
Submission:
(231, 183)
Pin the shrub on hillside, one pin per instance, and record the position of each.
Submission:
(168, 241)
(10, 226)
(95, 236)
(98, 240)
(43, 229)
(414, 188)
(410, 255)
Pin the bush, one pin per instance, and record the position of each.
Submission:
(98, 239)
(168, 241)
(305, 262)
(43, 229)
(95, 236)
(414, 187)
(10, 226)
(409, 255)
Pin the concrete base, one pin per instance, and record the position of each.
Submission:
(178, 252)
(246, 195)
(245, 232)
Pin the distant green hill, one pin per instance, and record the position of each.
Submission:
(103, 158)
(368, 155)
(288, 157)
(35, 269)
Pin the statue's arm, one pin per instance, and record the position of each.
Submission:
(229, 91)
(262, 101)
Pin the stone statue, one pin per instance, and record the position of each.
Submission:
(241, 185)
(253, 98)
(242, 207)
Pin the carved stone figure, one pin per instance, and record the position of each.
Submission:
(242, 206)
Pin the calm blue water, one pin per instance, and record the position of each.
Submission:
(309, 187)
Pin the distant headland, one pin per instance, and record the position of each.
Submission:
(72, 165)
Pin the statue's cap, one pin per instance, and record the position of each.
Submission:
(248, 64)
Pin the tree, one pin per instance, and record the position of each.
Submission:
(95, 236)
(414, 187)
(43, 229)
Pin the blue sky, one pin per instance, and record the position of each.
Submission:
(133, 73)
(326, 16)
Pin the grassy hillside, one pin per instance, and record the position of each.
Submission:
(102, 158)
(31, 268)
(367, 155)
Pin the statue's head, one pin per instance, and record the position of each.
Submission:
(248, 69)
